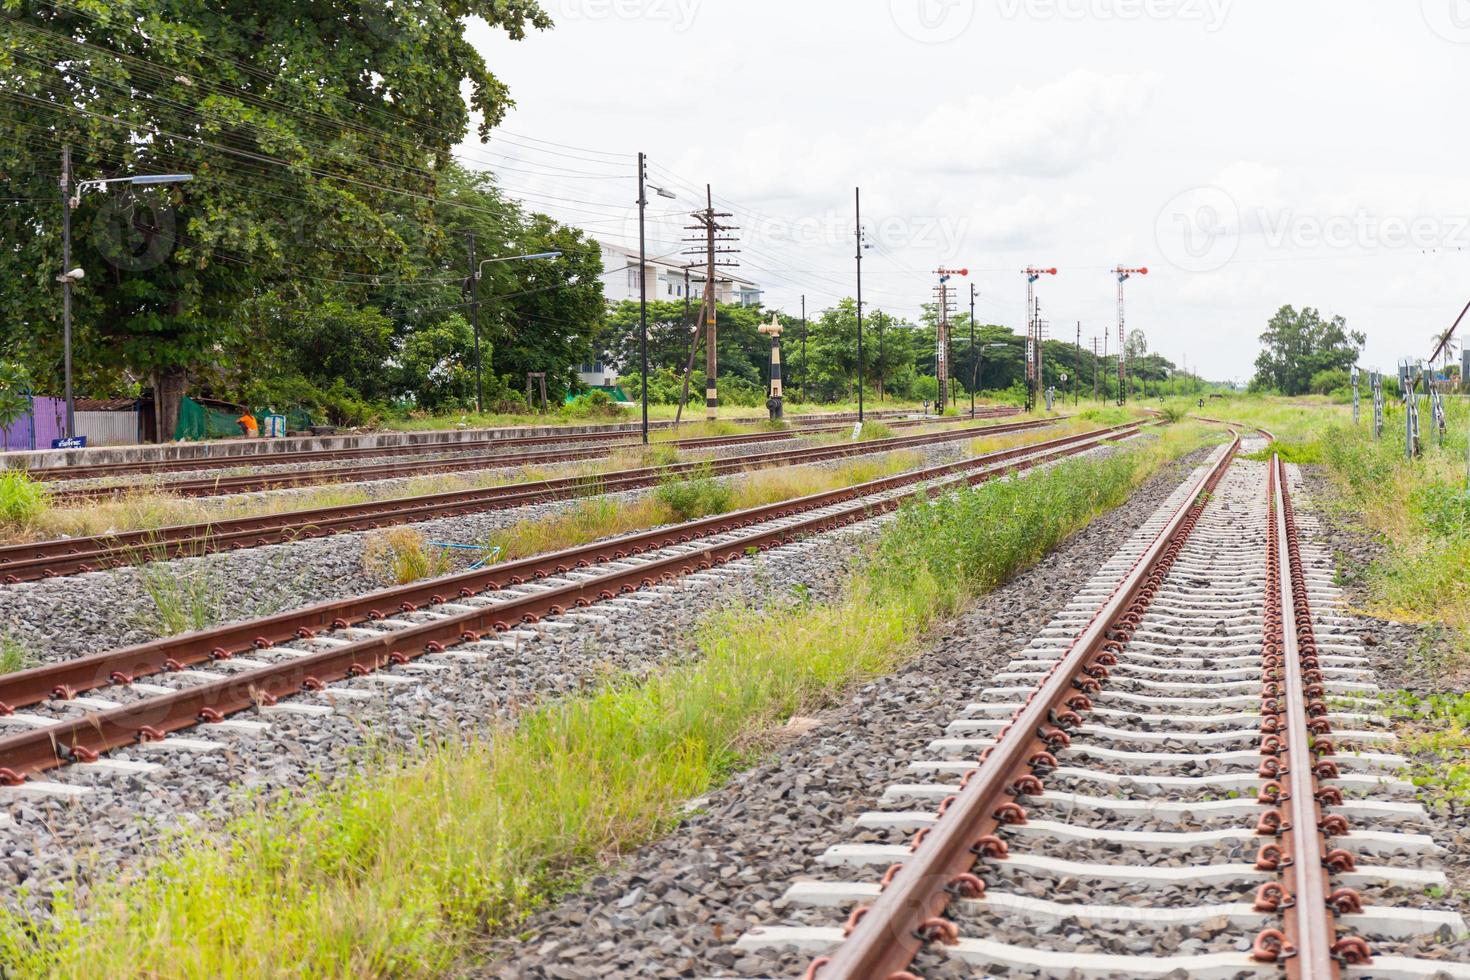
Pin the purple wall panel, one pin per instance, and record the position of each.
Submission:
(50, 420)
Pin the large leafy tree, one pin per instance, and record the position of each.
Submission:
(316, 134)
(1297, 345)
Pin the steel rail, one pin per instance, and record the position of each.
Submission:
(45, 559)
(265, 458)
(1296, 745)
(67, 678)
(84, 738)
(883, 938)
(257, 482)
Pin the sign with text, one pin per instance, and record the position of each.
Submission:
(70, 442)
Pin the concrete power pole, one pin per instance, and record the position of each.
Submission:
(709, 224)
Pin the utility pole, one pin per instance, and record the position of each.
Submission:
(475, 323)
(1077, 372)
(1033, 335)
(1094, 368)
(71, 429)
(973, 352)
(713, 236)
(1123, 276)
(803, 347)
(878, 318)
(643, 289)
(857, 200)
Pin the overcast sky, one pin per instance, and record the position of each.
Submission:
(1250, 153)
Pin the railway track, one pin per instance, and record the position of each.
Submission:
(802, 425)
(67, 556)
(463, 458)
(75, 711)
(1183, 775)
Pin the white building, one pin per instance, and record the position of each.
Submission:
(666, 278)
(666, 281)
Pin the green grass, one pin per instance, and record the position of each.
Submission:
(22, 500)
(1434, 732)
(1305, 453)
(15, 655)
(405, 868)
(697, 495)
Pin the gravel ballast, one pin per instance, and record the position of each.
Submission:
(675, 907)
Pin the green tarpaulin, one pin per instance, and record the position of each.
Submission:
(198, 421)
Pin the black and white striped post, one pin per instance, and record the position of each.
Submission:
(773, 403)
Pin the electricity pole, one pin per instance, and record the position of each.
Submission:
(66, 292)
(857, 200)
(1077, 372)
(709, 223)
(803, 347)
(643, 290)
(475, 322)
(972, 349)
(1094, 368)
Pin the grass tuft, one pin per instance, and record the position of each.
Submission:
(15, 655)
(402, 555)
(22, 499)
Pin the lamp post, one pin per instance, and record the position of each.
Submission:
(68, 274)
(477, 272)
(643, 280)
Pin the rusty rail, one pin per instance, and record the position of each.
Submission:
(805, 424)
(883, 938)
(463, 458)
(1297, 749)
(83, 738)
(66, 556)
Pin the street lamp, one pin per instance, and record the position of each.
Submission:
(70, 275)
(643, 184)
(478, 273)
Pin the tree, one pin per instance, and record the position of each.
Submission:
(316, 133)
(1298, 345)
(1136, 345)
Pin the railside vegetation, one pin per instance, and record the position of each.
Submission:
(407, 867)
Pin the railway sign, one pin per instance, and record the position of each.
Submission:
(69, 442)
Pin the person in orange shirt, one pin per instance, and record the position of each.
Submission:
(249, 426)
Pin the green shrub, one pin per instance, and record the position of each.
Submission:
(1109, 415)
(22, 500)
(697, 496)
(593, 405)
